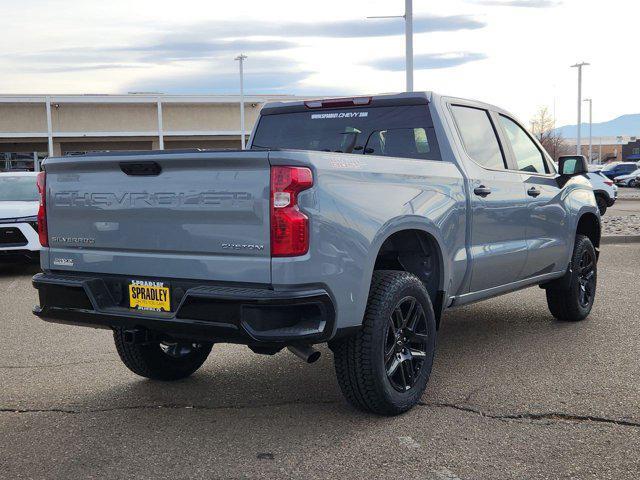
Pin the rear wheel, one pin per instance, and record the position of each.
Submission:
(385, 367)
(602, 204)
(633, 183)
(162, 360)
(575, 303)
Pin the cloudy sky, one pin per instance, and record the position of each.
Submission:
(513, 53)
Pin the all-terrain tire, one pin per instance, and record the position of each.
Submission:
(569, 304)
(360, 359)
(149, 360)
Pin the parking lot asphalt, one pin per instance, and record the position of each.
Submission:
(513, 394)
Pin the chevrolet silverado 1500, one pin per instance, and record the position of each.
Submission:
(355, 222)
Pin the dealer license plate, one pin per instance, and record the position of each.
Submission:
(146, 295)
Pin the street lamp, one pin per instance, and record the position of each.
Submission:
(579, 139)
(408, 37)
(241, 58)
(590, 127)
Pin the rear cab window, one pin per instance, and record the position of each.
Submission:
(404, 131)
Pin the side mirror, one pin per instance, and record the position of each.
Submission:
(571, 165)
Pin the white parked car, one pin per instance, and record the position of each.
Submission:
(604, 189)
(19, 203)
(629, 180)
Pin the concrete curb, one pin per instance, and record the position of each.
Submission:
(619, 239)
(628, 199)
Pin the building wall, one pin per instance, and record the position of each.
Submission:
(199, 143)
(193, 118)
(611, 152)
(104, 118)
(23, 146)
(631, 148)
(85, 123)
(23, 118)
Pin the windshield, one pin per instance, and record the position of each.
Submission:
(18, 189)
(401, 131)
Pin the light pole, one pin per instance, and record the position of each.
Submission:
(579, 139)
(241, 58)
(590, 127)
(408, 38)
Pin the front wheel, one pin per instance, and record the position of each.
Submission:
(385, 367)
(575, 303)
(161, 360)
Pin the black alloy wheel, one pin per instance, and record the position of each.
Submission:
(406, 344)
(586, 279)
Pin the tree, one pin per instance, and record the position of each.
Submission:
(543, 127)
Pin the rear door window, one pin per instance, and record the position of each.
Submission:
(479, 136)
(396, 131)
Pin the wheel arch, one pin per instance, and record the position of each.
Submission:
(417, 248)
(602, 193)
(589, 225)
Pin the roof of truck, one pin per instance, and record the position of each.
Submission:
(406, 98)
(379, 100)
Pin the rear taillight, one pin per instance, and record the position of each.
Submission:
(42, 211)
(289, 226)
(608, 182)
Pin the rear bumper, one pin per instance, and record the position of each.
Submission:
(204, 312)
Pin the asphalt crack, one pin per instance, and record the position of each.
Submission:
(534, 416)
(554, 416)
(159, 407)
(56, 365)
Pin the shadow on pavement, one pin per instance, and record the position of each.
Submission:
(473, 340)
(19, 269)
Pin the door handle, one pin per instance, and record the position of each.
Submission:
(482, 191)
(533, 192)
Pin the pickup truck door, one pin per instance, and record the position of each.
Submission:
(498, 203)
(548, 237)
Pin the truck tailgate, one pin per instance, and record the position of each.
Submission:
(196, 215)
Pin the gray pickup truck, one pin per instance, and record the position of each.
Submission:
(355, 222)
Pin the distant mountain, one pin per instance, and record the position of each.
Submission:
(624, 125)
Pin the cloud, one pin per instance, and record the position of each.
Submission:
(74, 68)
(217, 40)
(428, 61)
(274, 75)
(178, 50)
(202, 53)
(159, 52)
(520, 3)
(334, 29)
